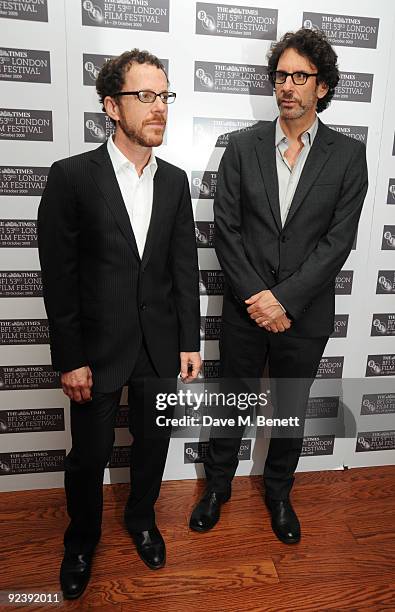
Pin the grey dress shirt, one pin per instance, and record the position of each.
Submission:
(288, 178)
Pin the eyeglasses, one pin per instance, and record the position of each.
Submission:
(298, 78)
(147, 96)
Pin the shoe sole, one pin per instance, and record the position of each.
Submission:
(293, 541)
(201, 529)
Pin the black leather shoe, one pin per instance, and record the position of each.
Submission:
(207, 512)
(285, 523)
(150, 547)
(75, 572)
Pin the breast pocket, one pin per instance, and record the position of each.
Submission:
(323, 192)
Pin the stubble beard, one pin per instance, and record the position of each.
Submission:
(137, 136)
(299, 111)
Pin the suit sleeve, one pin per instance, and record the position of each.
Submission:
(239, 273)
(332, 250)
(58, 235)
(185, 273)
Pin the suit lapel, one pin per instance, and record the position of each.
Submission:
(315, 161)
(158, 209)
(266, 153)
(104, 176)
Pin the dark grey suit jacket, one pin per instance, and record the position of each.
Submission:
(100, 297)
(297, 262)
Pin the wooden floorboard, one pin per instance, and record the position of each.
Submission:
(344, 562)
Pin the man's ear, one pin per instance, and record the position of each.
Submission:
(322, 89)
(111, 106)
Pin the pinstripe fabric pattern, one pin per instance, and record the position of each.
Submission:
(100, 297)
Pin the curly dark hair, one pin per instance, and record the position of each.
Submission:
(314, 45)
(111, 77)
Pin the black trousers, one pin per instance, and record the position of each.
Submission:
(92, 430)
(244, 352)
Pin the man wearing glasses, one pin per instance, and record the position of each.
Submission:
(288, 201)
(119, 267)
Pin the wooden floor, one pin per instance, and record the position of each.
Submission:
(345, 561)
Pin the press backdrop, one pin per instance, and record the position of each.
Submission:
(50, 54)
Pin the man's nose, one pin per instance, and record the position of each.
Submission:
(288, 83)
(159, 106)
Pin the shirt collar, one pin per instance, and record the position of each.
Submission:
(310, 133)
(119, 160)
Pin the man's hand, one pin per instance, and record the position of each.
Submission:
(267, 312)
(279, 325)
(77, 384)
(264, 304)
(192, 359)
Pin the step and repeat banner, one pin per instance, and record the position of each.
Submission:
(215, 53)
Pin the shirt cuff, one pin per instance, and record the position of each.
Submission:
(279, 303)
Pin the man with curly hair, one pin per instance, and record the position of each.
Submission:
(289, 196)
(120, 276)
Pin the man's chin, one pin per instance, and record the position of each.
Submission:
(154, 141)
(291, 113)
(155, 138)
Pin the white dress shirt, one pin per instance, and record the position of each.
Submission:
(288, 177)
(137, 191)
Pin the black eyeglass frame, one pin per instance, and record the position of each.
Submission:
(137, 93)
(306, 75)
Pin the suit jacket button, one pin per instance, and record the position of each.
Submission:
(283, 239)
(143, 306)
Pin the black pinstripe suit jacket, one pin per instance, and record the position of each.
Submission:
(100, 297)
